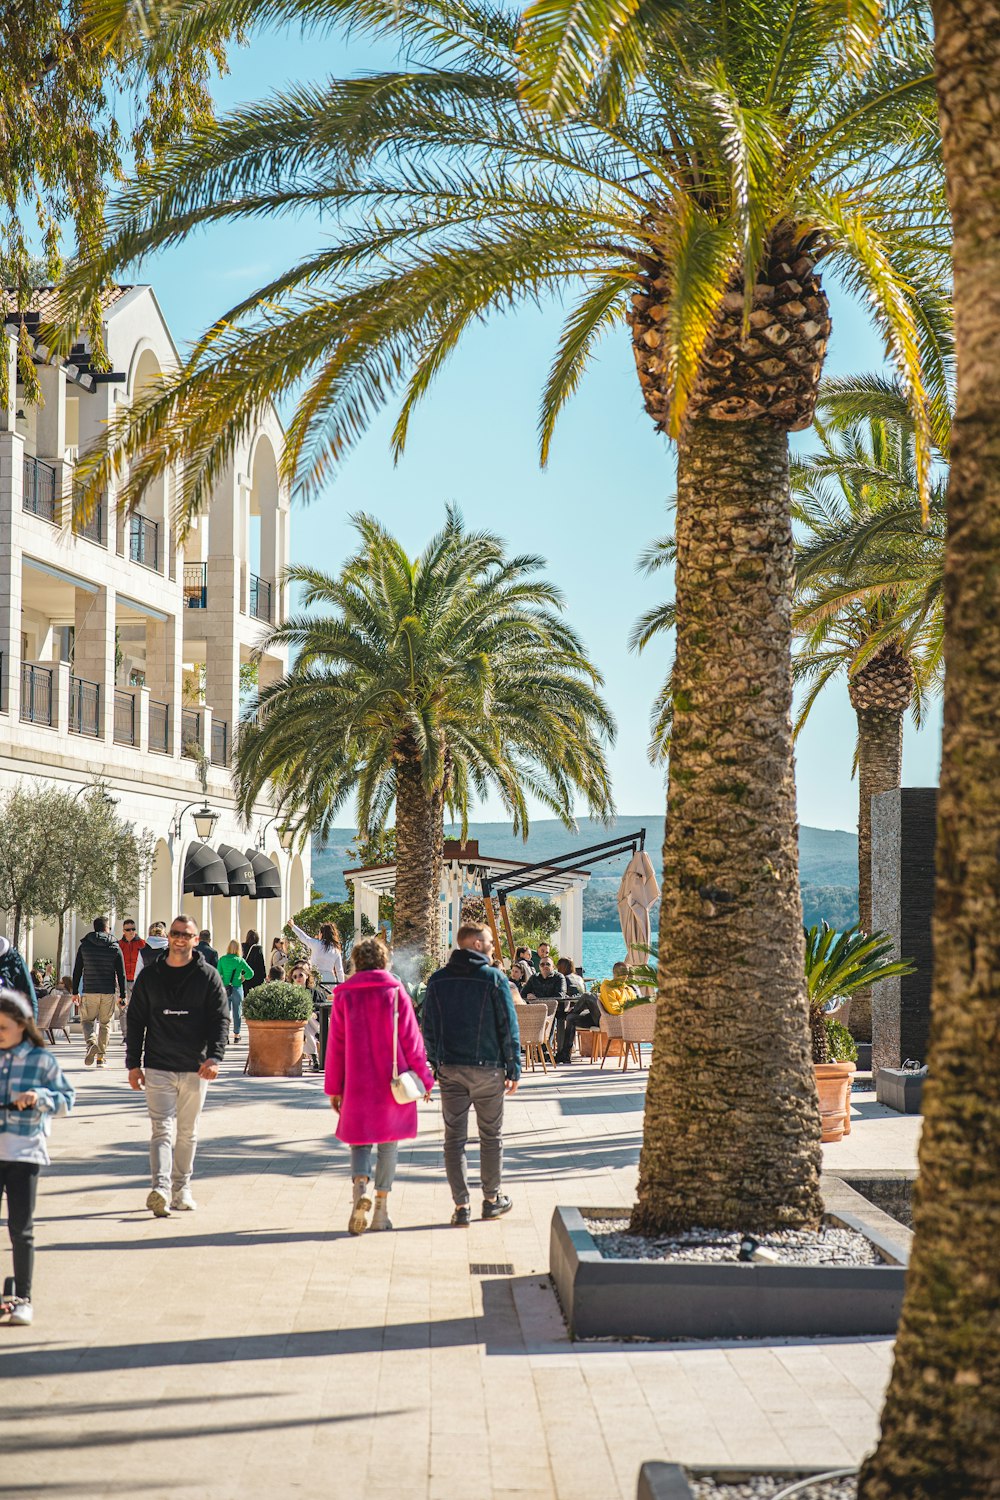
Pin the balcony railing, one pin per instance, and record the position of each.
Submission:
(159, 727)
(124, 717)
(144, 541)
(93, 529)
(84, 707)
(220, 742)
(260, 598)
(39, 497)
(191, 733)
(36, 694)
(196, 585)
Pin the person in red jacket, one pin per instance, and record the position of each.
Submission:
(131, 945)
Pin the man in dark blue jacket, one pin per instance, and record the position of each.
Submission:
(474, 1046)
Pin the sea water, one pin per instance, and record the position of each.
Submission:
(600, 951)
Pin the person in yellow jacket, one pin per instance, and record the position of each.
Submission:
(616, 992)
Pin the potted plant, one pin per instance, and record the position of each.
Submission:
(276, 1014)
(838, 964)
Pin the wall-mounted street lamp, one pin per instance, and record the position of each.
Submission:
(205, 820)
(100, 790)
(286, 837)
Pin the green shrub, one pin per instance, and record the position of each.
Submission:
(278, 1001)
(840, 1045)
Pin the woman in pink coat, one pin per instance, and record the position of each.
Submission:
(359, 1070)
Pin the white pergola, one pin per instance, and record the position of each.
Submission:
(462, 874)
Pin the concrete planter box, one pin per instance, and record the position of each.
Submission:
(900, 1089)
(667, 1300)
(670, 1481)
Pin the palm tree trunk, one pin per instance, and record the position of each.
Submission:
(880, 768)
(941, 1418)
(419, 835)
(732, 1130)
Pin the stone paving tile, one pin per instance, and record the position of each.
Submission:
(255, 1350)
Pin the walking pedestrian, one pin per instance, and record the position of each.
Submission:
(474, 1047)
(99, 980)
(374, 1040)
(234, 971)
(326, 954)
(254, 955)
(301, 973)
(156, 944)
(14, 974)
(32, 1087)
(131, 945)
(178, 1022)
(204, 947)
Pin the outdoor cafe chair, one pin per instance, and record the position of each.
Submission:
(534, 1024)
(637, 1027)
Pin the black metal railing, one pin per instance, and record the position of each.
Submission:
(124, 717)
(260, 598)
(39, 496)
(196, 585)
(84, 707)
(36, 694)
(144, 541)
(191, 733)
(159, 727)
(220, 742)
(92, 529)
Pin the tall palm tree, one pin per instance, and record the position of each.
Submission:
(942, 1409)
(427, 681)
(868, 602)
(691, 200)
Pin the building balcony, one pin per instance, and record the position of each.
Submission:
(196, 585)
(144, 542)
(220, 742)
(37, 695)
(125, 718)
(159, 727)
(94, 529)
(39, 493)
(261, 598)
(84, 707)
(191, 733)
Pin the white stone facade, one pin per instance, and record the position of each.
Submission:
(117, 646)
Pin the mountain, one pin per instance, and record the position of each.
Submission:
(828, 863)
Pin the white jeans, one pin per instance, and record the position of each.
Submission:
(174, 1101)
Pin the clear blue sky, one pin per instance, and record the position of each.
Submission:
(602, 498)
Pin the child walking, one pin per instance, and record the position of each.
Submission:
(32, 1087)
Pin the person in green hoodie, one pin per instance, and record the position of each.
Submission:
(233, 969)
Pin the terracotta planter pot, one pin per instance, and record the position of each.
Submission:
(833, 1084)
(275, 1048)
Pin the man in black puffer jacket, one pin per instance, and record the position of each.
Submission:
(101, 969)
(177, 1026)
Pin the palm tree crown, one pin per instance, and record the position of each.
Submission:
(744, 145)
(427, 681)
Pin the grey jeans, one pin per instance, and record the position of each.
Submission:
(174, 1101)
(482, 1089)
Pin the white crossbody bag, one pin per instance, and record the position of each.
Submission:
(407, 1087)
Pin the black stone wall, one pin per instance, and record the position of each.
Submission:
(904, 825)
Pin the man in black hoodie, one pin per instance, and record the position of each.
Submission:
(101, 969)
(178, 1023)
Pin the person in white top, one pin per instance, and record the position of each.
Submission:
(327, 959)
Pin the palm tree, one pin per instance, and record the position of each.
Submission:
(869, 588)
(942, 1409)
(429, 680)
(693, 200)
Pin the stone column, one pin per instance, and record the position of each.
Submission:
(94, 652)
(11, 487)
(904, 825)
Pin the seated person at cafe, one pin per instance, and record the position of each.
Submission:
(616, 992)
(584, 1010)
(548, 985)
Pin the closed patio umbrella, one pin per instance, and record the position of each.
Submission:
(636, 894)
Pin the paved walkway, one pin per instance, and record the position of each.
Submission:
(254, 1349)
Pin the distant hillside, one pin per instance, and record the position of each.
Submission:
(828, 863)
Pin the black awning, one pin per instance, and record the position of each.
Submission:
(265, 873)
(204, 872)
(239, 872)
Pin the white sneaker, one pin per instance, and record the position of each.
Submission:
(157, 1203)
(183, 1202)
(20, 1312)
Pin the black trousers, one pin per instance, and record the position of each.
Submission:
(19, 1181)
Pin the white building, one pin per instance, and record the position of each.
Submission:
(117, 646)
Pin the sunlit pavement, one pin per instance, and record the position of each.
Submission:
(255, 1349)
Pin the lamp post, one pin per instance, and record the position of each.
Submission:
(205, 819)
(101, 791)
(286, 837)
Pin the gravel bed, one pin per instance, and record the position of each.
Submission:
(832, 1245)
(765, 1487)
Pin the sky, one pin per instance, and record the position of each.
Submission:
(601, 500)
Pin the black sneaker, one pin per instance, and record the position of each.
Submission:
(461, 1218)
(501, 1205)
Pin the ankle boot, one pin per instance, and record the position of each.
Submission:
(380, 1218)
(361, 1207)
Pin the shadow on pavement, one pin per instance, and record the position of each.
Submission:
(90, 1437)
